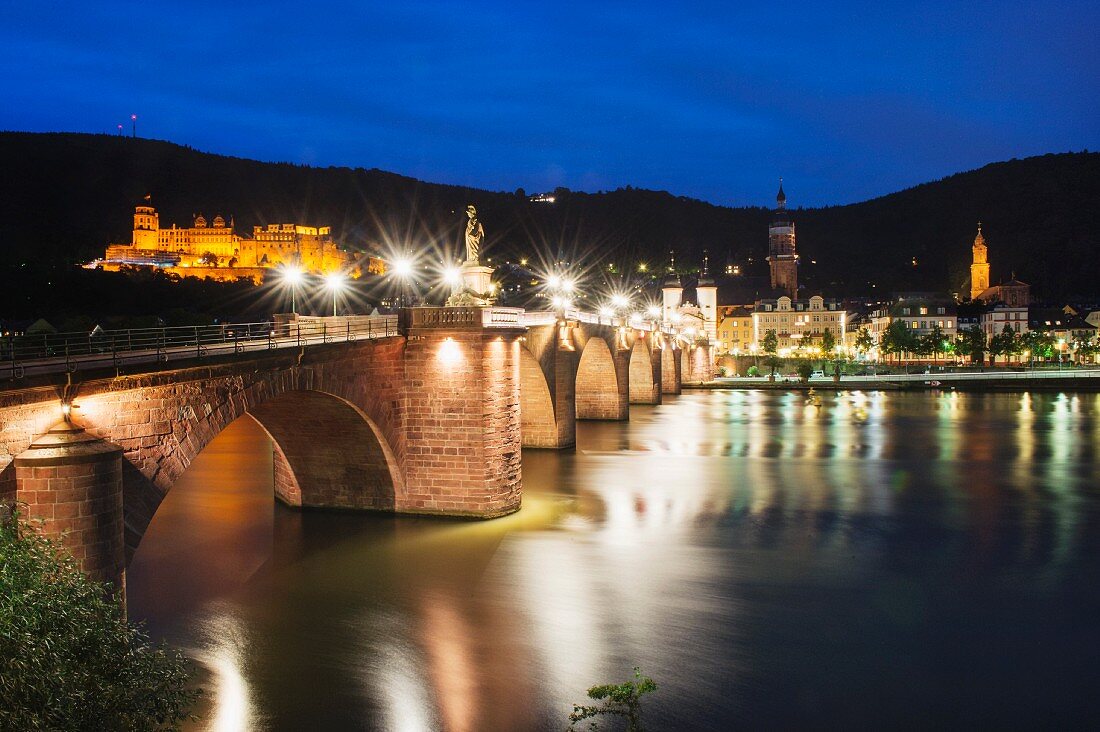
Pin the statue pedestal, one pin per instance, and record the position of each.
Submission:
(475, 288)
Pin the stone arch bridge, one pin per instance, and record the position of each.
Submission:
(432, 420)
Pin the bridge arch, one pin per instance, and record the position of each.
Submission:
(538, 422)
(600, 392)
(328, 452)
(645, 372)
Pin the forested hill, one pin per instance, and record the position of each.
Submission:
(64, 196)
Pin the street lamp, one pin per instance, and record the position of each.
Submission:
(292, 277)
(403, 269)
(335, 282)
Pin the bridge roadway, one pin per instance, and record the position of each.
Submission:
(425, 412)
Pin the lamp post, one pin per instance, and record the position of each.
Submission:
(292, 277)
(403, 269)
(335, 282)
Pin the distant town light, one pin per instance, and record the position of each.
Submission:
(402, 267)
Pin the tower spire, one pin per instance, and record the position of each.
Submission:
(781, 197)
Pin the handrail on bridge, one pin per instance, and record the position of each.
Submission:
(42, 353)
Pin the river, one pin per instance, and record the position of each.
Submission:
(888, 559)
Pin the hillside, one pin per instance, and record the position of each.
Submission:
(63, 196)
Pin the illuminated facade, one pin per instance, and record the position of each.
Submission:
(735, 329)
(798, 324)
(206, 246)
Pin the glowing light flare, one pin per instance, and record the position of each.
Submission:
(620, 301)
(606, 312)
(402, 267)
(450, 353)
(452, 276)
(553, 282)
(567, 285)
(293, 276)
(335, 281)
(653, 311)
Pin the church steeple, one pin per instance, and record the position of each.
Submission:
(979, 267)
(782, 254)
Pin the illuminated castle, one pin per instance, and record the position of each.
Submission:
(202, 248)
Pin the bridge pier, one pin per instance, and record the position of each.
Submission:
(71, 482)
(645, 369)
(698, 367)
(671, 368)
(462, 410)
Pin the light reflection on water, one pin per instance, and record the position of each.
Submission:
(885, 558)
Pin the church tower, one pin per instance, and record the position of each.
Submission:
(782, 258)
(979, 269)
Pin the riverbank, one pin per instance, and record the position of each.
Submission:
(1076, 380)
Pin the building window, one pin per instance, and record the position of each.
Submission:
(924, 311)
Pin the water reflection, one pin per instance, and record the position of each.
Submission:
(771, 563)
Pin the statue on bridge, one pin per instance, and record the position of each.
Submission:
(476, 288)
(475, 232)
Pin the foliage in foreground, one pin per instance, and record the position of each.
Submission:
(68, 658)
(619, 700)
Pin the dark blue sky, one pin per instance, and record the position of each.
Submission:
(710, 100)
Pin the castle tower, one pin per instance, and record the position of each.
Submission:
(979, 269)
(706, 292)
(782, 258)
(146, 225)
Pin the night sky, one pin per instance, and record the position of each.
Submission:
(715, 100)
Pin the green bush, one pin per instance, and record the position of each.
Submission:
(804, 369)
(68, 658)
(619, 700)
(753, 371)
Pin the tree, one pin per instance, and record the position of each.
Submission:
(804, 369)
(971, 342)
(864, 341)
(935, 342)
(1004, 343)
(619, 700)
(770, 342)
(68, 659)
(898, 339)
(828, 343)
(1038, 344)
(209, 259)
